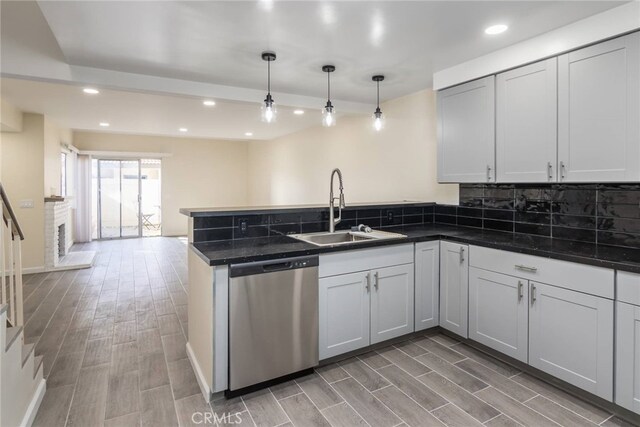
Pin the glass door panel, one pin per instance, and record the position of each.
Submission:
(119, 201)
(130, 198)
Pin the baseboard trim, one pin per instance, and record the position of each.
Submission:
(34, 405)
(204, 387)
(33, 270)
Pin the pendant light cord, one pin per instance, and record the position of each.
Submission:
(269, 77)
(328, 86)
(378, 96)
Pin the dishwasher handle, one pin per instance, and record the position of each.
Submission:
(272, 265)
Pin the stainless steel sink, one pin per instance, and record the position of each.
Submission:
(345, 237)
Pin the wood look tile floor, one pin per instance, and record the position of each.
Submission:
(113, 339)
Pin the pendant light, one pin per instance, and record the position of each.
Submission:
(328, 113)
(269, 106)
(378, 118)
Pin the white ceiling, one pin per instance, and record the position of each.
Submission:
(220, 41)
(154, 59)
(150, 114)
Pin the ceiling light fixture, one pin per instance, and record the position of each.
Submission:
(248, 134)
(378, 118)
(90, 91)
(208, 103)
(269, 106)
(496, 29)
(104, 124)
(328, 113)
(183, 130)
(298, 112)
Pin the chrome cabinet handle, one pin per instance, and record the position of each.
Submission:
(520, 294)
(563, 169)
(550, 171)
(375, 281)
(526, 268)
(368, 285)
(461, 255)
(488, 173)
(533, 294)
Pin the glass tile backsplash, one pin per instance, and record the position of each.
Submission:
(308, 220)
(596, 213)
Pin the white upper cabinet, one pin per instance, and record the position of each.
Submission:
(466, 132)
(599, 112)
(454, 287)
(526, 131)
(427, 298)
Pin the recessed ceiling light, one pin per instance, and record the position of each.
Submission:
(248, 134)
(90, 91)
(496, 29)
(298, 112)
(104, 124)
(183, 130)
(209, 103)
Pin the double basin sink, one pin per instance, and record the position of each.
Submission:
(345, 237)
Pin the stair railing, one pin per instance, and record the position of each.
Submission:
(11, 237)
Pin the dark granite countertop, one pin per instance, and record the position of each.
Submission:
(241, 210)
(247, 250)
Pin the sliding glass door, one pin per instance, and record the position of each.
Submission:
(119, 199)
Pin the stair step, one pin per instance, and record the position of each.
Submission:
(26, 352)
(12, 333)
(37, 362)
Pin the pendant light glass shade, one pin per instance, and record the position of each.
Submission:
(269, 111)
(378, 117)
(328, 112)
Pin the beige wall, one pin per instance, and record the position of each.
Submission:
(197, 173)
(398, 163)
(22, 159)
(53, 137)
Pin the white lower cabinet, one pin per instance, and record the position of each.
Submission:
(454, 287)
(372, 304)
(498, 312)
(344, 313)
(427, 284)
(628, 356)
(571, 337)
(391, 302)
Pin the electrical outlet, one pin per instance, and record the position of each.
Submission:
(26, 204)
(390, 216)
(243, 226)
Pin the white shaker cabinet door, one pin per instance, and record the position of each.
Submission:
(391, 302)
(499, 312)
(466, 132)
(599, 112)
(628, 356)
(344, 313)
(571, 337)
(526, 123)
(427, 298)
(454, 287)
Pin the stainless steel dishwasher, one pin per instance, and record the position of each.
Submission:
(273, 321)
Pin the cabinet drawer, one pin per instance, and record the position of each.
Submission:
(570, 275)
(628, 287)
(364, 259)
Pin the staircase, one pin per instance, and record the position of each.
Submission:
(22, 385)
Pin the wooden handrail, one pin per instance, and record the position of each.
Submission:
(7, 213)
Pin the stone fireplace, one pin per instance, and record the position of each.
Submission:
(57, 219)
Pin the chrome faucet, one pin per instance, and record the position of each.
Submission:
(332, 220)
